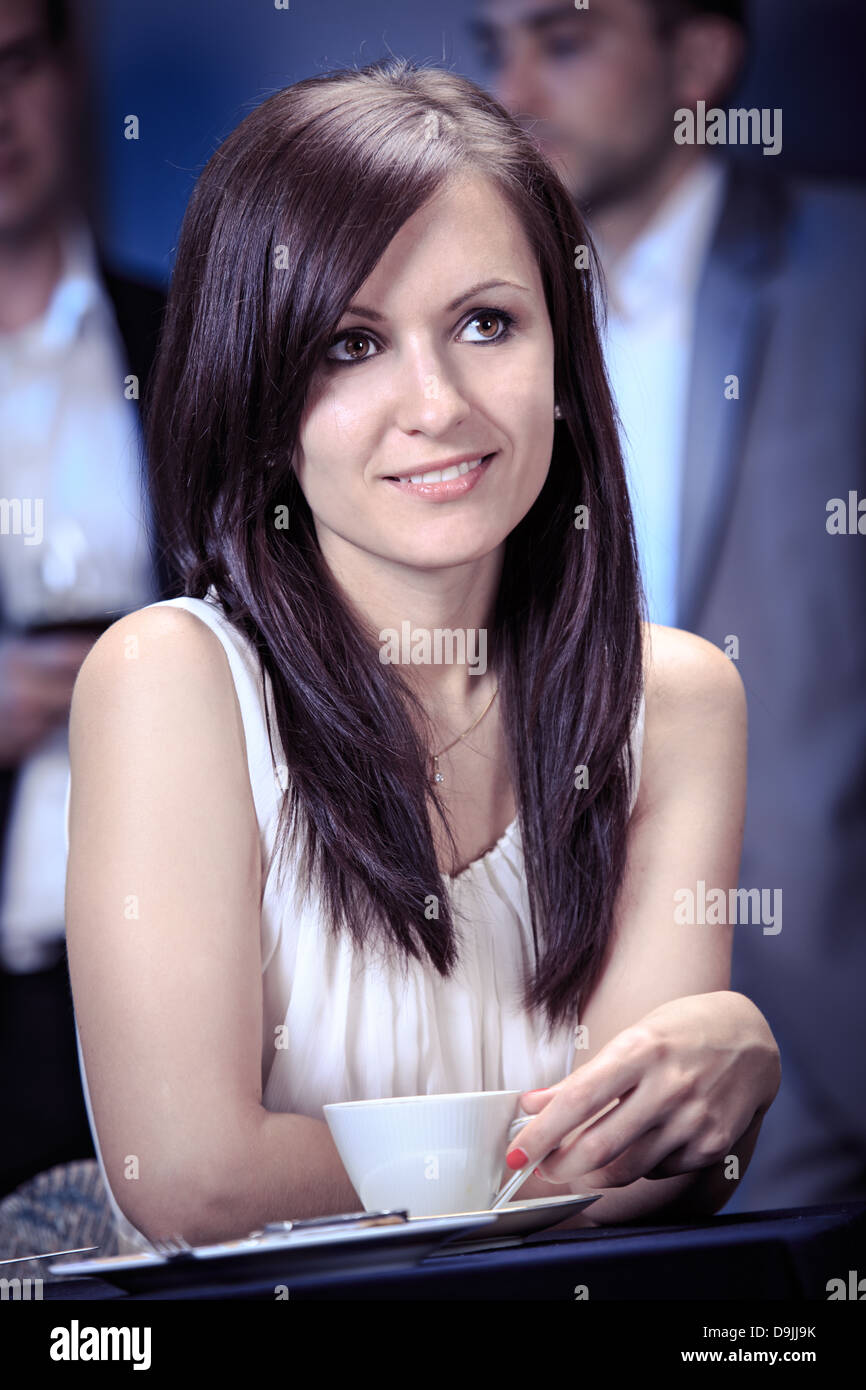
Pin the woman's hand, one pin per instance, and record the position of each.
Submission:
(690, 1078)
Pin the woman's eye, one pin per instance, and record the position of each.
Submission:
(354, 344)
(493, 325)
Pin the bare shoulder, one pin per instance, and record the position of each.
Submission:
(154, 692)
(696, 717)
(158, 635)
(685, 674)
(155, 655)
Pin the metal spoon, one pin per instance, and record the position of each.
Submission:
(523, 1173)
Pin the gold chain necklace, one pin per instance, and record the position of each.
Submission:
(436, 774)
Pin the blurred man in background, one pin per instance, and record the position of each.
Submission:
(76, 548)
(737, 303)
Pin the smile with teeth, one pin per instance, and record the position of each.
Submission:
(442, 475)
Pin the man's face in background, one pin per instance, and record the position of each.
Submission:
(36, 115)
(597, 88)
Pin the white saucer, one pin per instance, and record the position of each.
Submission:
(520, 1218)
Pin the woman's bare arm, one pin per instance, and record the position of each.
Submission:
(163, 898)
(687, 825)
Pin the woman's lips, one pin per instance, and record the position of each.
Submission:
(445, 492)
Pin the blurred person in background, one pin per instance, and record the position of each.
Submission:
(737, 303)
(76, 544)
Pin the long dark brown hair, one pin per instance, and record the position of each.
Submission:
(330, 169)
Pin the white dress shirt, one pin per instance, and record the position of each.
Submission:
(652, 290)
(70, 441)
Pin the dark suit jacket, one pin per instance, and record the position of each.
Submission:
(782, 305)
(138, 307)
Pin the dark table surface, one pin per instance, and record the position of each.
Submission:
(786, 1254)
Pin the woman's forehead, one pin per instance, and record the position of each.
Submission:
(467, 233)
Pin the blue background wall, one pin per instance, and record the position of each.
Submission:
(192, 69)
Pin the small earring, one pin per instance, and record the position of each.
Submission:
(557, 413)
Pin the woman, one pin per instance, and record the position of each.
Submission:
(301, 872)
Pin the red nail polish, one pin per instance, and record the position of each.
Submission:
(517, 1159)
(542, 1092)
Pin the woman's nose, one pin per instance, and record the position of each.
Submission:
(430, 399)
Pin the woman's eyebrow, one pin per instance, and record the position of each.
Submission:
(362, 311)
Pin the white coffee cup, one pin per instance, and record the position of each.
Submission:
(431, 1155)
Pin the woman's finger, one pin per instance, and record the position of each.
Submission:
(703, 1142)
(581, 1097)
(595, 1146)
(654, 1145)
(687, 1135)
(690, 1140)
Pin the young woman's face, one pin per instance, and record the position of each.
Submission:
(426, 369)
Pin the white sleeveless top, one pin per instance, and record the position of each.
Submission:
(385, 1031)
